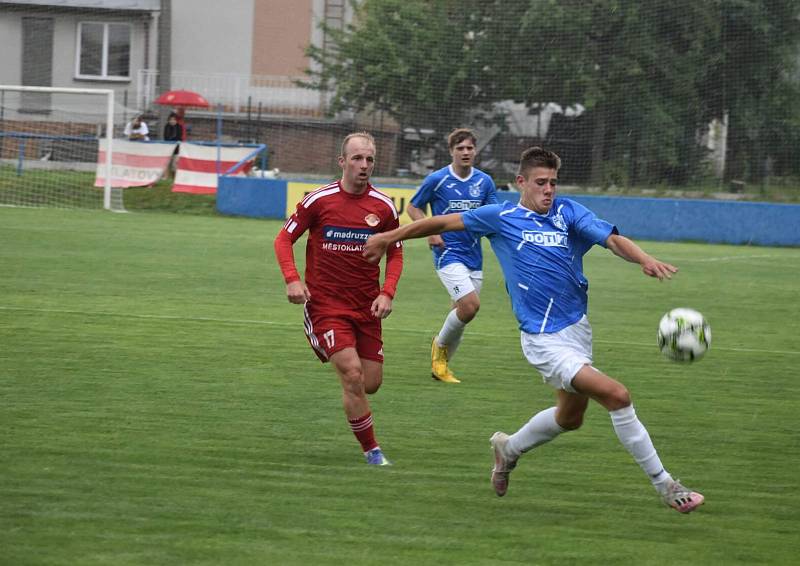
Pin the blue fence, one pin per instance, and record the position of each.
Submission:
(252, 196)
(640, 218)
(711, 221)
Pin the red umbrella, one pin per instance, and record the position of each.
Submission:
(182, 98)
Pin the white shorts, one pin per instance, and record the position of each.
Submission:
(560, 355)
(459, 280)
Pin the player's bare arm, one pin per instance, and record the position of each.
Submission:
(418, 214)
(297, 292)
(376, 244)
(629, 251)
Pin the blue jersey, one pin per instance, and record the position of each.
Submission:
(542, 258)
(446, 192)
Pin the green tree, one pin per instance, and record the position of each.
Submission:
(651, 74)
(419, 61)
(754, 83)
(634, 66)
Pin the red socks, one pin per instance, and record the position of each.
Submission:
(362, 428)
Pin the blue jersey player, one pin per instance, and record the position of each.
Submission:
(457, 256)
(540, 244)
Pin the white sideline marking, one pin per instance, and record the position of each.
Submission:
(150, 316)
(18, 206)
(729, 257)
(294, 325)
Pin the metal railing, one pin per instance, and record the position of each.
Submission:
(237, 93)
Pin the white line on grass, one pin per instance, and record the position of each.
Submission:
(294, 325)
(728, 258)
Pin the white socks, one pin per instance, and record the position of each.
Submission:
(540, 429)
(635, 438)
(543, 428)
(451, 333)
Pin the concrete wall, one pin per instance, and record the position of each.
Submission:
(299, 148)
(209, 36)
(11, 47)
(639, 218)
(245, 37)
(65, 46)
(281, 31)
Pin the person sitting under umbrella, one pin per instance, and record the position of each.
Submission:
(180, 100)
(137, 130)
(173, 129)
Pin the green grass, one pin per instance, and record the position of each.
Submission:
(160, 405)
(160, 198)
(75, 189)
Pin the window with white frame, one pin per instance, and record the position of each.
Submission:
(104, 51)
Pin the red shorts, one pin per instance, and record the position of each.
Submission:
(328, 333)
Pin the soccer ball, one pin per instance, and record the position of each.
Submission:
(683, 335)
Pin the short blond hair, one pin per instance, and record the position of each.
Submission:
(365, 135)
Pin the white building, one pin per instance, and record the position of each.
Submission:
(232, 52)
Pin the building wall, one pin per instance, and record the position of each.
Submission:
(11, 47)
(65, 46)
(301, 146)
(212, 37)
(281, 31)
(246, 37)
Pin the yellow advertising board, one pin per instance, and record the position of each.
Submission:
(401, 196)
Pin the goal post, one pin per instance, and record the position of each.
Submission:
(49, 144)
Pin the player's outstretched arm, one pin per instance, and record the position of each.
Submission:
(418, 214)
(414, 212)
(376, 244)
(629, 251)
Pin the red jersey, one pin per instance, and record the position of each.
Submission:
(337, 275)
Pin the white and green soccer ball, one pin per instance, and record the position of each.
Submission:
(684, 335)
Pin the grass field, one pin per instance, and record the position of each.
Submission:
(75, 189)
(160, 405)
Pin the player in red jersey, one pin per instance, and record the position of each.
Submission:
(344, 302)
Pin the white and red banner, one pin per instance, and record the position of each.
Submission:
(133, 164)
(198, 167)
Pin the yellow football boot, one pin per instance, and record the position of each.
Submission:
(439, 369)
